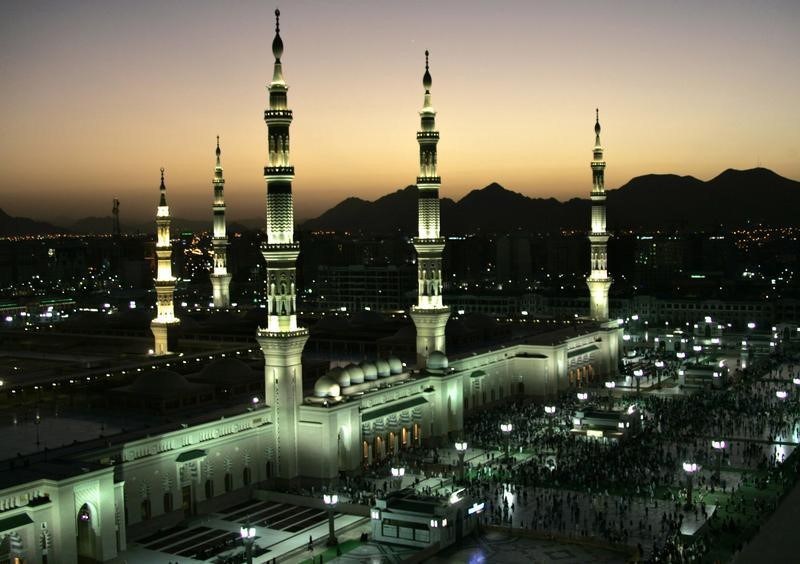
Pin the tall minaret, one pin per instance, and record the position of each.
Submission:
(598, 281)
(220, 279)
(282, 341)
(165, 321)
(430, 314)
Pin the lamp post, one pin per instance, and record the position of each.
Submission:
(550, 411)
(37, 422)
(507, 428)
(248, 535)
(638, 373)
(331, 500)
(697, 349)
(659, 364)
(610, 385)
(781, 394)
(461, 450)
(690, 468)
(719, 446)
(397, 475)
(583, 396)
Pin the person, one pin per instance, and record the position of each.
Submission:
(310, 543)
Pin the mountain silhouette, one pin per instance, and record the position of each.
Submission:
(19, 226)
(655, 201)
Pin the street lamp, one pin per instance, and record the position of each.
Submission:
(331, 500)
(697, 349)
(397, 474)
(610, 385)
(37, 422)
(796, 381)
(690, 468)
(583, 396)
(248, 536)
(781, 394)
(461, 450)
(550, 410)
(719, 446)
(659, 366)
(507, 428)
(638, 373)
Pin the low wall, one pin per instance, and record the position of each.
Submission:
(313, 502)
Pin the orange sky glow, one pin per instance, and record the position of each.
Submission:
(98, 95)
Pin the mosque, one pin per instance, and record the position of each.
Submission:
(83, 504)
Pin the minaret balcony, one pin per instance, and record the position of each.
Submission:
(428, 135)
(283, 115)
(278, 171)
(429, 180)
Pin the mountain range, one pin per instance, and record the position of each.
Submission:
(655, 201)
(735, 198)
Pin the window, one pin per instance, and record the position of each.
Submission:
(246, 476)
(167, 502)
(228, 482)
(209, 488)
(145, 509)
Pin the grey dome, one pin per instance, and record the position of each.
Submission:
(326, 387)
(356, 374)
(395, 366)
(437, 361)
(383, 368)
(340, 376)
(370, 371)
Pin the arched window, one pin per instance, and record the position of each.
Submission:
(246, 476)
(209, 488)
(228, 482)
(167, 502)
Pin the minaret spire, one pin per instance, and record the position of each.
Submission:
(598, 281)
(282, 340)
(429, 314)
(220, 279)
(165, 321)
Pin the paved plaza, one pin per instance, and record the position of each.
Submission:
(281, 529)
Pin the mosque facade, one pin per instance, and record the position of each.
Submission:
(86, 504)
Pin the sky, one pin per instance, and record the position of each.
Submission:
(96, 96)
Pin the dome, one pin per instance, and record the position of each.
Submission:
(370, 371)
(326, 387)
(437, 361)
(340, 376)
(356, 374)
(395, 366)
(383, 368)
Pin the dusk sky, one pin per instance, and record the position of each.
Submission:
(96, 96)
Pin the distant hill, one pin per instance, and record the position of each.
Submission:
(654, 201)
(734, 198)
(11, 226)
(395, 211)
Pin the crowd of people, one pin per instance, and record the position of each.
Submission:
(568, 485)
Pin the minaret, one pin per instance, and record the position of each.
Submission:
(220, 279)
(430, 314)
(165, 323)
(282, 341)
(598, 281)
